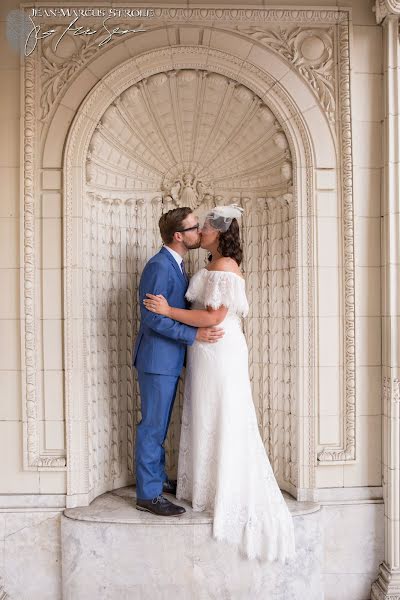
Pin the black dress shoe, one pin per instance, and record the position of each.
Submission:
(169, 486)
(160, 506)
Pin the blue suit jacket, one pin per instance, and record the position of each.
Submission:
(161, 342)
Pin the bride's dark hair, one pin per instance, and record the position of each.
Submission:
(230, 244)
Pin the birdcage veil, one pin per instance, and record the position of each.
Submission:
(220, 217)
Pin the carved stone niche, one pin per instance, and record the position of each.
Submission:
(198, 160)
(114, 182)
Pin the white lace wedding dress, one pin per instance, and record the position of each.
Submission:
(223, 466)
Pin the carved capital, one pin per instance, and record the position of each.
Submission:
(383, 8)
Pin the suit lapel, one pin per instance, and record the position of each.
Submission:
(174, 264)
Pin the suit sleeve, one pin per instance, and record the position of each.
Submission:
(155, 281)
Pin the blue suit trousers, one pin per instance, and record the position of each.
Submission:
(157, 394)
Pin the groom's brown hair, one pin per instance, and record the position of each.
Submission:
(171, 221)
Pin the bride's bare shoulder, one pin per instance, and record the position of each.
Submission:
(225, 263)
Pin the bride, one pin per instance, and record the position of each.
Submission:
(223, 466)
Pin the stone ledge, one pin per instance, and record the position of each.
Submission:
(118, 506)
(32, 502)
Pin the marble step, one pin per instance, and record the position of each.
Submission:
(111, 551)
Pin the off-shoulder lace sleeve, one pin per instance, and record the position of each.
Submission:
(219, 288)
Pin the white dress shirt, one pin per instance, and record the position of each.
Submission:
(176, 256)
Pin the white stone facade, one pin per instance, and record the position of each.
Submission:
(294, 113)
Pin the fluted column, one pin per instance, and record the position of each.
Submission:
(387, 586)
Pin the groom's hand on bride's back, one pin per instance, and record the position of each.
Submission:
(209, 334)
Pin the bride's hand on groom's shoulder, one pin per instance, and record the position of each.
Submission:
(157, 304)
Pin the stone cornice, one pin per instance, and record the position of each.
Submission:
(383, 8)
(217, 14)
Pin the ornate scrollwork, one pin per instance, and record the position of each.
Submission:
(55, 74)
(58, 67)
(383, 8)
(391, 390)
(310, 51)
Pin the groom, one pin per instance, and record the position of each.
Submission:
(159, 356)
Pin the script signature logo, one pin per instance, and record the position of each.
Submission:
(37, 34)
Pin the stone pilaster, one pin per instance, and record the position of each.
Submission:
(387, 586)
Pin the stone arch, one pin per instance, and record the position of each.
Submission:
(304, 125)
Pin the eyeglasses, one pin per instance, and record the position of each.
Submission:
(188, 228)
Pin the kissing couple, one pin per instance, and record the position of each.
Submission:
(223, 467)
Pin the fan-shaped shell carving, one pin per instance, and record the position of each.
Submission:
(191, 123)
